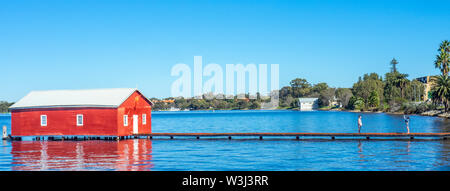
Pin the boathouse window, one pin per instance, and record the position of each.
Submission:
(144, 119)
(43, 120)
(80, 120)
(125, 120)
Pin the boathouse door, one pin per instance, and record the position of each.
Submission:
(135, 124)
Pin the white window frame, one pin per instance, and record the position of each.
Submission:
(46, 120)
(82, 120)
(125, 120)
(144, 119)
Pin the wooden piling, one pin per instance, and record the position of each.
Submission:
(4, 134)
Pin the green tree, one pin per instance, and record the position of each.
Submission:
(394, 63)
(442, 58)
(400, 81)
(391, 91)
(4, 106)
(300, 87)
(374, 99)
(395, 84)
(242, 104)
(358, 104)
(326, 96)
(285, 91)
(160, 106)
(441, 90)
(254, 105)
(344, 95)
(364, 87)
(414, 90)
(319, 87)
(287, 101)
(351, 103)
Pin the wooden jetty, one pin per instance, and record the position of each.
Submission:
(260, 136)
(298, 135)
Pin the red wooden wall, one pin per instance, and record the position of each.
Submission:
(62, 121)
(136, 104)
(96, 121)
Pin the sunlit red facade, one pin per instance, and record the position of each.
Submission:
(96, 121)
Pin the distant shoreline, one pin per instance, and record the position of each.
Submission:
(431, 113)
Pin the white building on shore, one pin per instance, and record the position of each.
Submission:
(308, 104)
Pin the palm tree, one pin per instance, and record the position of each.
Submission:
(441, 90)
(400, 81)
(443, 58)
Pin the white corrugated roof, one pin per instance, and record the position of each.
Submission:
(75, 98)
(307, 99)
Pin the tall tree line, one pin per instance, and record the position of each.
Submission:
(441, 84)
(372, 92)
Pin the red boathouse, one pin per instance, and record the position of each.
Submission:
(98, 112)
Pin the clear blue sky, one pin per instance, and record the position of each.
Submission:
(85, 44)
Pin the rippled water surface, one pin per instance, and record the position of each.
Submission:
(243, 154)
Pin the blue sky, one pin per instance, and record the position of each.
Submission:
(86, 44)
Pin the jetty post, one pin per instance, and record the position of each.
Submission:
(4, 134)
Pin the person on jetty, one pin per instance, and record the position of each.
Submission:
(359, 123)
(406, 122)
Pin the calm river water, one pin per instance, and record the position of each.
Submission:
(243, 154)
